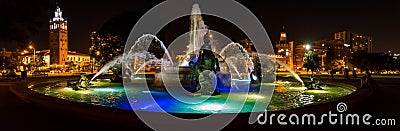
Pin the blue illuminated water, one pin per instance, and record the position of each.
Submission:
(113, 95)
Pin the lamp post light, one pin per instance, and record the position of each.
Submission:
(34, 56)
(308, 47)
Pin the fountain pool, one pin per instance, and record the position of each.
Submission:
(287, 95)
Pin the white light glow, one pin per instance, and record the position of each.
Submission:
(103, 89)
(317, 91)
(68, 89)
(84, 92)
(308, 47)
(254, 76)
(211, 107)
(255, 96)
(58, 15)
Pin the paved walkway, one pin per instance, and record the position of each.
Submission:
(385, 101)
(15, 114)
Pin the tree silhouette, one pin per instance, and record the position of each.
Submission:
(311, 61)
(109, 41)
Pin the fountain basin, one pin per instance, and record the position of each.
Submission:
(128, 119)
(286, 96)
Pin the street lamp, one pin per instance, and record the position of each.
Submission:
(308, 47)
(34, 54)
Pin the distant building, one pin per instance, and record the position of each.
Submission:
(5, 53)
(331, 52)
(284, 51)
(5, 57)
(357, 41)
(248, 45)
(28, 58)
(301, 49)
(58, 55)
(339, 49)
(79, 61)
(58, 39)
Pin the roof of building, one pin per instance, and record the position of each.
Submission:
(76, 53)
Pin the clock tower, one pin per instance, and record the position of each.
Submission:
(58, 39)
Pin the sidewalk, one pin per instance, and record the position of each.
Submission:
(18, 115)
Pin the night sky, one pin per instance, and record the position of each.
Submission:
(305, 21)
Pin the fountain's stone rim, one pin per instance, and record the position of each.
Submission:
(127, 117)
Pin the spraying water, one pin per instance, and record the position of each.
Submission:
(197, 31)
(237, 46)
(155, 61)
(117, 60)
(238, 60)
(137, 55)
(142, 44)
(291, 71)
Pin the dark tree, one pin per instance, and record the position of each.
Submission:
(311, 61)
(10, 62)
(109, 41)
(390, 63)
(5, 62)
(330, 60)
(105, 47)
(367, 61)
(360, 60)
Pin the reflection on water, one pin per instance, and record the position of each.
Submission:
(287, 95)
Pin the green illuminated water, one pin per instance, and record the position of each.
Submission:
(285, 96)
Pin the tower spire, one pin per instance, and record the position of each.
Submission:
(283, 29)
(58, 38)
(58, 14)
(283, 34)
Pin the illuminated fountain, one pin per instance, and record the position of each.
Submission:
(224, 78)
(139, 55)
(117, 60)
(238, 61)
